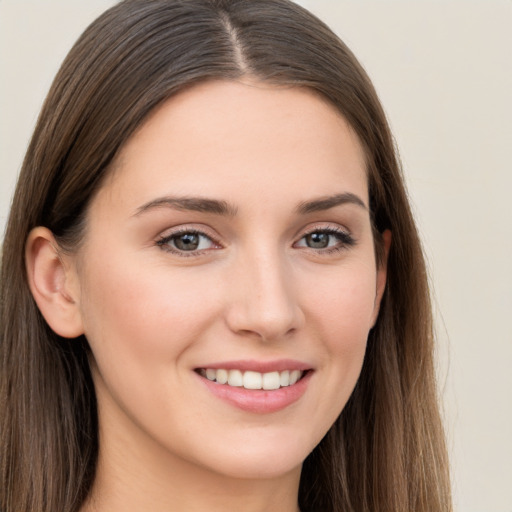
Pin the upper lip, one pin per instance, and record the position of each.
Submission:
(279, 365)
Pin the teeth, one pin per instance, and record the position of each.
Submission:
(253, 380)
(271, 380)
(294, 376)
(222, 376)
(235, 378)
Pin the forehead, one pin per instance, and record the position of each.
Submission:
(241, 139)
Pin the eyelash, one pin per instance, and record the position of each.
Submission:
(345, 239)
(164, 242)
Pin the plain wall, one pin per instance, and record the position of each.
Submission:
(443, 71)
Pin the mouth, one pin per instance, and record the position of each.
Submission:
(258, 387)
(253, 380)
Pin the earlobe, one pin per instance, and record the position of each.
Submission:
(381, 274)
(53, 283)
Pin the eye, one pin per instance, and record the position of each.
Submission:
(327, 238)
(187, 241)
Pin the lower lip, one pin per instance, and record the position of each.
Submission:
(259, 401)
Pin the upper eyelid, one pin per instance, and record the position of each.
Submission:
(329, 229)
(345, 235)
(177, 230)
(165, 237)
(322, 226)
(325, 226)
(184, 232)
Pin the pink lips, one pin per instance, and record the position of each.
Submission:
(259, 401)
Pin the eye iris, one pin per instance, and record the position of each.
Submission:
(187, 242)
(317, 240)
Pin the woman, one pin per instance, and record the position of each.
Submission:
(213, 292)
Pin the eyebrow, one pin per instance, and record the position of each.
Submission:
(219, 207)
(328, 202)
(195, 204)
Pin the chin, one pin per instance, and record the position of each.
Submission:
(263, 458)
(268, 468)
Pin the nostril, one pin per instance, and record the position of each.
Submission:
(264, 325)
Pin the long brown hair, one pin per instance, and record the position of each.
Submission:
(386, 450)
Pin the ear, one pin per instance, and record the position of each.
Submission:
(53, 282)
(381, 274)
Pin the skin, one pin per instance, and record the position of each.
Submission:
(254, 290)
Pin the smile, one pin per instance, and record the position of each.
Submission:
(251, 379)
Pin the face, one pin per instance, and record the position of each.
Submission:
(231, 241)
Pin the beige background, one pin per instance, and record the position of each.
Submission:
(443, 70)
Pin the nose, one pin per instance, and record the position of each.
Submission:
(263, 300)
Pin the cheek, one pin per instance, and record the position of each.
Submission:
(140, 322)
(135, 313)
(343, 306)
(341, 314)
